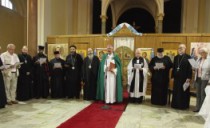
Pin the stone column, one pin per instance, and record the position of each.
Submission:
(159, 23)
(103, 23)
(32, 27)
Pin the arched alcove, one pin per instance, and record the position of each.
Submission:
(140, 19)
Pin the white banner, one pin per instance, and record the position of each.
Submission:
(124, 41)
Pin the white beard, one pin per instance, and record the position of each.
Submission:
(90, 56)
(160, 57)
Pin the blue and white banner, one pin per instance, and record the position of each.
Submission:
(120, 27)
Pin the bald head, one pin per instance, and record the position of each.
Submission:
(25, 50)
(138, 52)
(11, 48)
(110, 49)
(90, 51)
(182, 49)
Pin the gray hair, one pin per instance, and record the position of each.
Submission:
(10, 46)
(138, 50)
(204, 49)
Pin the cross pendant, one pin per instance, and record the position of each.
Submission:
(178, 69)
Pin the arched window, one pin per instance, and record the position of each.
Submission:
(7, 4)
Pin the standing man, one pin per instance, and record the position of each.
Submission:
(109, 85)
(41, 74)
(73, 73)
(137, 77)
(57, 76)
(90, 74)
(3, 99)
(182, 74)
(11, 73)
(160, 66)
(25, 79)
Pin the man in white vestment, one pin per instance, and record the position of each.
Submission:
(109, 85)
(137, 77)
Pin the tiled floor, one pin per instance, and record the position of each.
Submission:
(50, 113)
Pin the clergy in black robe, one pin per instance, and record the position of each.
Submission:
(182, 73)
(25, 79)
(57, 76)
(3, 99)
(137, 77)
(41, 74)
(73, 66)
(160, 66)
(90, 73)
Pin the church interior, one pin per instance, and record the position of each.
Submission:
(125, 24)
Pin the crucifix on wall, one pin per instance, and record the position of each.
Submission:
(134, 26)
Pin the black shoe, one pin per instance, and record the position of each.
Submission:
(196, 110)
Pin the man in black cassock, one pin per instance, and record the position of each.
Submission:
(25, 79)
(90, 73)
(41, 74)
(73, 66)
(57, 76)
(182, 73)
(160, 66)
(3, 99)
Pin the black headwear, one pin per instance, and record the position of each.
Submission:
(56, 52)
(73, 46)
(160, 50)
(41, 47)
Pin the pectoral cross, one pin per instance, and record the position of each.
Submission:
(178, 69)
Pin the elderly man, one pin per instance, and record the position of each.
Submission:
(137, 77)
(160, 66)
(182, 74)
(12, 63)
(90, 73)
(110, 78)
(25, 81)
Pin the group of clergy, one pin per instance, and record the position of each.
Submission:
(101, 80)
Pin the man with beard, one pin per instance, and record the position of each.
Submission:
(41, 74)
(182, 74)
(57, 76)
(73, 73)
(160, 66)
(90, 73)
(137, 77)
(109, 85)
(25, 80)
